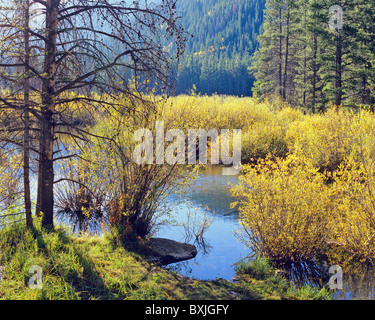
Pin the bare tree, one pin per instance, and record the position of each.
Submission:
(82, 53)
(26, 139)
(15, 101)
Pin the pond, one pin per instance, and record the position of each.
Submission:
(208, 196)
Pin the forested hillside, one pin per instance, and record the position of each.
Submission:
(309, 64)
(218, 55)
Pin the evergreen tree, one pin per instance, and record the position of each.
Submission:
(308, 63)
(222, 45)
(268, 63)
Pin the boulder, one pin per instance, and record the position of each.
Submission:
(170, 251)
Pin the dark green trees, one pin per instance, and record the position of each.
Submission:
(309, 63)
(217, 58)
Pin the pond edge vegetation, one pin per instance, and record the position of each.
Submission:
(98, 268)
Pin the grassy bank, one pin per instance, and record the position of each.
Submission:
(95, 268)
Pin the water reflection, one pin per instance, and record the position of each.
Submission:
(358, 283)
(312, 273)
(358, 278)
(219, 249)
(212, 189)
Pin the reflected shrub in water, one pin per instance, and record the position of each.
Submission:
(283, 206)
(79, 200)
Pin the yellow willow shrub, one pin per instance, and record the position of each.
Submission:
(261, 139)
(325, 139)
(181, 112)
(363, 131)
(353, 220)
(214, 112)
(134, 194)
(263, 124)
(284, 207)
(269, 135)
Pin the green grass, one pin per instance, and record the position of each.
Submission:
(260, 274)
(92, 268)
(259, 268)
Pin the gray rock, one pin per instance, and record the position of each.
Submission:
(170, 251)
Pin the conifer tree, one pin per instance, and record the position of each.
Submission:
(309, 62)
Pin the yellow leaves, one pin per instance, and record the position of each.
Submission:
(328, 139)
(353, 189)
(283, 207)
(290, 210)
(210, 112)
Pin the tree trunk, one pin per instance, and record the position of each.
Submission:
(305, 64)
(46, 139)
(280, 53)
(46, 170)
(26, 151)
(366, 93)
(315, 73)
(286, 55)
(338, 83)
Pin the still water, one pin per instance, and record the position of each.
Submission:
(208, 196)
